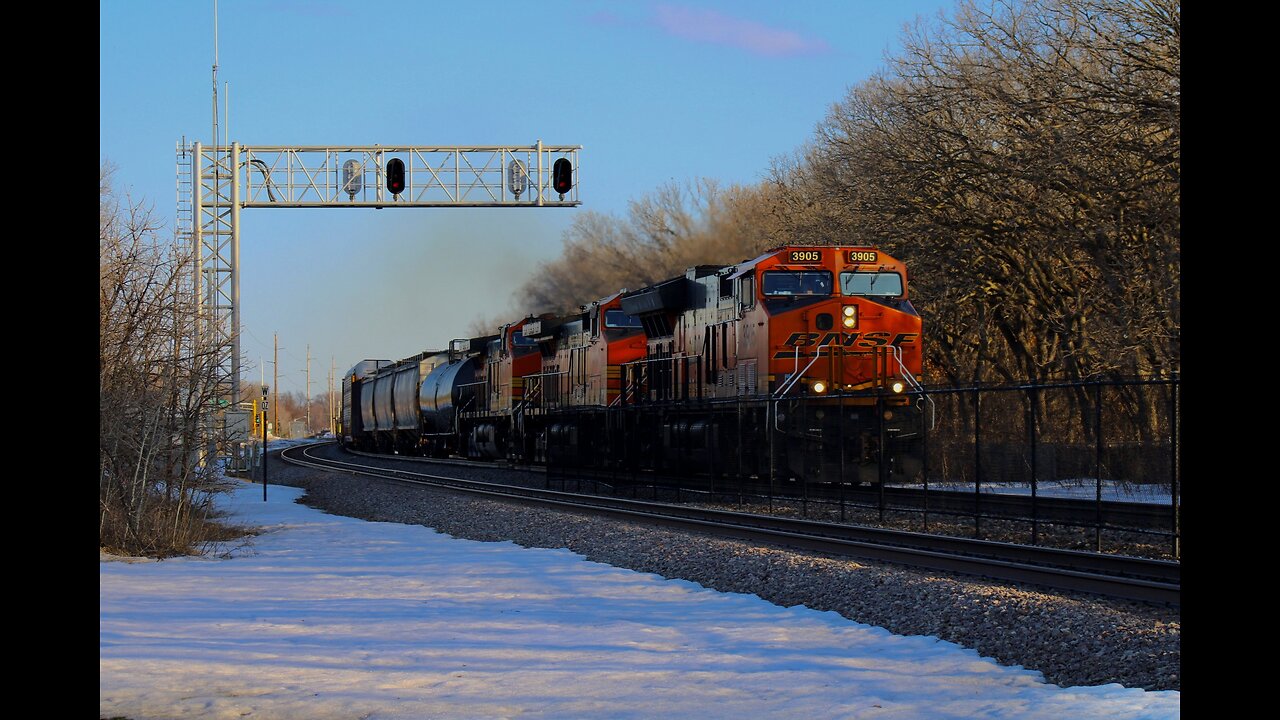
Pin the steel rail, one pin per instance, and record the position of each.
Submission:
(1117, 515)
(481, 464)
(1112, 564)
(1141, 579)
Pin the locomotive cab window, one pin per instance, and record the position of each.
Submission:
(797, 282)
(619, 319)
(884, 284)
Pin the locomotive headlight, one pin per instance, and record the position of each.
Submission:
(819, 386)
(850, 318)
(898, 386)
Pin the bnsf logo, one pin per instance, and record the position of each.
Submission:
(867, 340)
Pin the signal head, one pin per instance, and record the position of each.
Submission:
(562, 176)
(395, 176)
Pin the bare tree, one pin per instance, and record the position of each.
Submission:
(156, 386)
(1024, 158)
(664, 232)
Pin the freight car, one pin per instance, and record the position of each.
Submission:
(802, 362)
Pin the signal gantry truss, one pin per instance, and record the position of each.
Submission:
(434, 176)
(215, 182)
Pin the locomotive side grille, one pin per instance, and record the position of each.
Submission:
(747, 377)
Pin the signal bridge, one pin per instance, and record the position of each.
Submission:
(214, 183)
(404, 175)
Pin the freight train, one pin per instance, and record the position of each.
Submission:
(804, 362)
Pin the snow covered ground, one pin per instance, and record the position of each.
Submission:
(330, 617)
(1084, 489)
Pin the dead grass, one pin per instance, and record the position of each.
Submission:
(166, 528)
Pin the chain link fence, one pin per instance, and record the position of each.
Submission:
(1079, 465)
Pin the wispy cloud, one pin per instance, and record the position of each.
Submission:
(709, 26)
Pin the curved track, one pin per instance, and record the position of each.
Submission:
(1118, 515)
(1111, 514)
(1155, 581)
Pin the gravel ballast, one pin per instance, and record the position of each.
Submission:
(1073, 639)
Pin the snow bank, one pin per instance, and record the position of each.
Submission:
(331, 617)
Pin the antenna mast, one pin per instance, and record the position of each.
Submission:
(215, 74)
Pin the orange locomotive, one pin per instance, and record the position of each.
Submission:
(794, 320)
(860, 333)
(557, 364)
(489, 405)
(798, 364)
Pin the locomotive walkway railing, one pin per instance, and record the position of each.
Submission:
(1092, 464)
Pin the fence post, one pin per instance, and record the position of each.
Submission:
(1173, 468)
(773, 462)
(977, 463)
(742, 476)
(685, 445)
(633, 477)
(1097, 436)
(665, 461)
(713, 434)
(882, 456)
(1032, 430)
(840, 441)
(683, 369)
(804, 472)
(612, 456)
(924, 460)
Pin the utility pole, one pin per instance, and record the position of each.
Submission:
(275, 384)
(264, 445)
(308, 388)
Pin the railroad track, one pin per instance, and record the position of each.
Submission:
(459, 462)
(1117, 515)
(1156, 581)
(1113, 514)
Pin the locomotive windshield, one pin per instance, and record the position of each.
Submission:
(871, 283)
(797, 282)
(619, 319)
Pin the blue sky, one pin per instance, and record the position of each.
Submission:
(654, 92)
